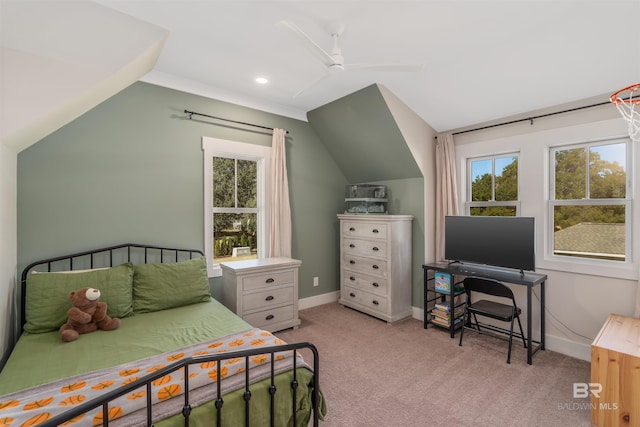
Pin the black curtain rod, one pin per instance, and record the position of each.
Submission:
(531, 119)
(192, 113)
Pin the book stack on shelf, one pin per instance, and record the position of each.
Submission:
(441, 314)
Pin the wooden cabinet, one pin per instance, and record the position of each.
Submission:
(264, 292)
(375, 264)
(615, 366)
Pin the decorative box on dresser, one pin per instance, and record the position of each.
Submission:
(375, 264)
(264, 292)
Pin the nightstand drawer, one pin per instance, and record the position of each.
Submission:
(367, 299)
(365, 248)
(377, 285)
(375, 267)
(273, 297)
(263, 319)
(363, 229)
(275, 278)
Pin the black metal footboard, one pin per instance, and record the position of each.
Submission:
(104, 400)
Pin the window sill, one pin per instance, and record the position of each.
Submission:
(593, 268)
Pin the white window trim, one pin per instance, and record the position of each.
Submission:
(214, 147)
(586, 265)
(472, 204)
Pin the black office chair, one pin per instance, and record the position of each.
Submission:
(492, 309)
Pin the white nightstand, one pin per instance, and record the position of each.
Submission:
(264, 292)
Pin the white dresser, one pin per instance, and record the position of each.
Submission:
(264, 292)
(375, 264)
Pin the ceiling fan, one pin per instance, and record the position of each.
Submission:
(334, 61)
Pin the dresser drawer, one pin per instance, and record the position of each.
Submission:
(262, 319)
(269, 298)
(366, 299)
(375, 267)
(365, 247)
(377, 285)
(364, 229)
(275, 278)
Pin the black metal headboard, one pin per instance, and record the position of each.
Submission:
(103, 257)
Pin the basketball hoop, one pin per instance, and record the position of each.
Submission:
(629, 109)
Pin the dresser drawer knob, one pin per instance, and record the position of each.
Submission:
(352, 295)
(352, 278)
(375, 267)
(375, 249)
(352, 229)
(375, 231)
(375, 285)
(352, 262)
(352, 245)
(269, 298)
(375, 302)
(269, 280)
(269, 317)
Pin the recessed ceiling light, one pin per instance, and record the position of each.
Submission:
(262, 80)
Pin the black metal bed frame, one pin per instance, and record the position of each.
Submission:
(87, 261)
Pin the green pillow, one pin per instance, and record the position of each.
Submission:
(47, 299)
(161, 286)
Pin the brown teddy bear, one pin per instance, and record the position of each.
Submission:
(86, 315)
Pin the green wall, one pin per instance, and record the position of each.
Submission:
(131, 170)
(362, 136)
(406, 197)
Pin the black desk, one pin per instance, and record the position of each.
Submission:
(528, 279)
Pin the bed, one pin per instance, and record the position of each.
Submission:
(162, 365)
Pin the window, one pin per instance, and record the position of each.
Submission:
(493, 186)
(590, 204)
(235, 201)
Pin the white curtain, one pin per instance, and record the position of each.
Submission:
(446, 187)
(279, 209)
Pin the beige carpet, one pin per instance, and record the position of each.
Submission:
(373, 374)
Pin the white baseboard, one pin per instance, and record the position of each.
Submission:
(321, 299)
(418, 313)
(553, 343)
(568, 348)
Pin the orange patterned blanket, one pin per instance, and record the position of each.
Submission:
(36, 405)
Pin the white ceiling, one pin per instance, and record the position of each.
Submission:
(483, 60)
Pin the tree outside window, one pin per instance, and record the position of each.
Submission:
(493, 186)
(590, 203)
(234, 209)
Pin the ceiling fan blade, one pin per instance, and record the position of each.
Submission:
(395, 67)
(325, 57)
(307, 88)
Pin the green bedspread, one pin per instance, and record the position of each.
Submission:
(42, 358)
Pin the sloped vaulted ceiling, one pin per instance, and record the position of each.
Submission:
(60, 59)
(362, 136)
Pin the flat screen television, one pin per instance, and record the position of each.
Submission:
(501, 241)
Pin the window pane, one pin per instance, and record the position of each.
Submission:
(607, 176)
(506, 181)
(247, 183)
(223, 182)
(571, 174)
(234, 231)
(493, 211)
(590, 231)
(481, 185)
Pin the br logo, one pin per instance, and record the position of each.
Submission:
(582, 390)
